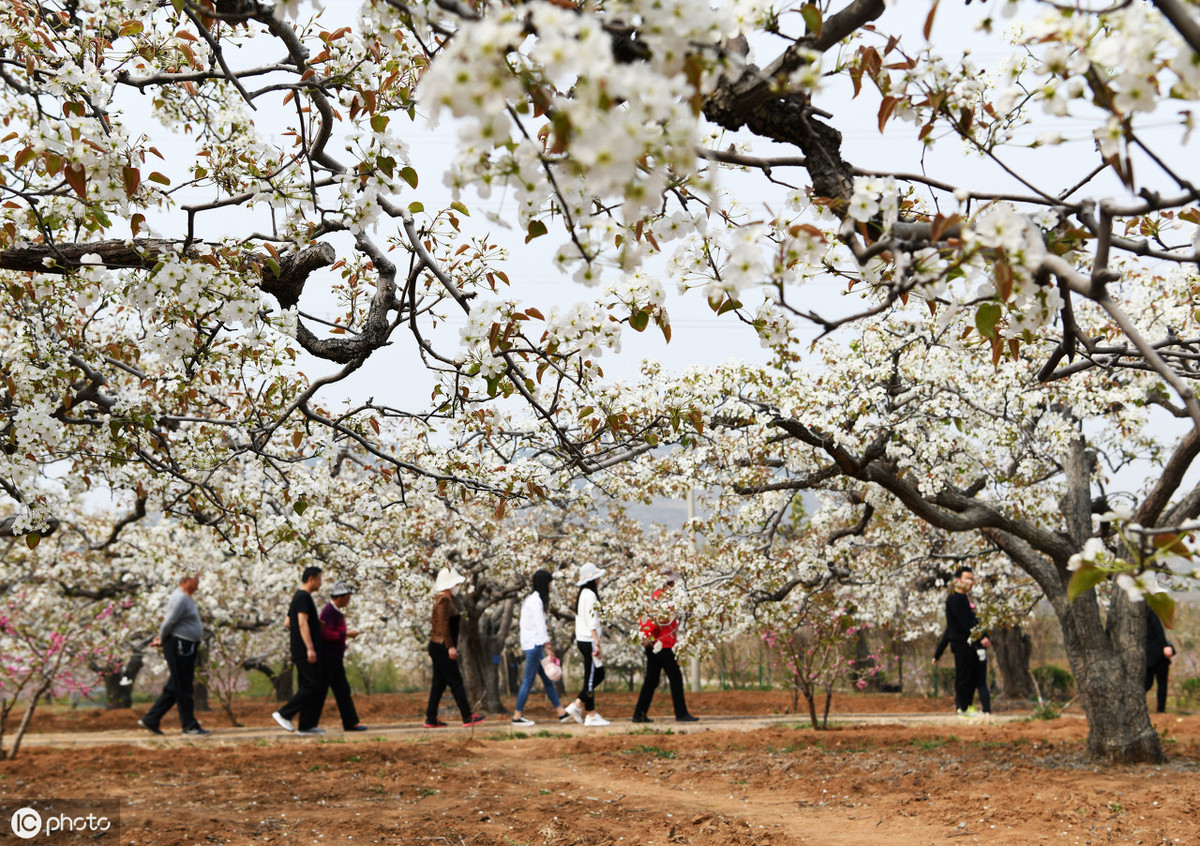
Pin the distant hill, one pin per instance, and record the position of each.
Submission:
(673, 512)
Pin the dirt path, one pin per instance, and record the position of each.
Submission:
(729, 722)
(876, 778)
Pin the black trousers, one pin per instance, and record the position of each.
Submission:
(981, 685)
(180, 688)
(657, 663)
(334, 670)
(592, 675)
(1159, 671)
(966, 673)
(309, 699)
(445, 675)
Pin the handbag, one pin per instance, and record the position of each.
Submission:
(552, 667)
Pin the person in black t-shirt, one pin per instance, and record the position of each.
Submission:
(304, 628)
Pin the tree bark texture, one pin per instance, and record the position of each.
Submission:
(472, 654)
(1012, 649)
(117, 695)
(1109, 688)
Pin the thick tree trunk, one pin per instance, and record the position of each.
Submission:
(1012, 648)
(118, 686)
(1108, 662)
(472, 657)
(199, 687)
(493, 654)
(1108, 678)
(481, 644)
(282, 684)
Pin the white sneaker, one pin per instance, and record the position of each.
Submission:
(523, 721)
(313, 730)
(595, 720)
(284, 722)
(575, 712)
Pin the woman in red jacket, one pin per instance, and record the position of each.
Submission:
(658, 641)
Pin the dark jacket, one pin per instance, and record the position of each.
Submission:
(960, 618)
(1156, 639)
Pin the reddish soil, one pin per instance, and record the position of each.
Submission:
(915, 778)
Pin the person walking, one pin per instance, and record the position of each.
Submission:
(587, 640)
(179, 636)
(659, 635)
(1159, 652)
(304, 633)
(332, 657)
(981, 673)
(443, 651)
(534, 639)
(961, 621)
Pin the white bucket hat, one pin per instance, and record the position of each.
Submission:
(588, 572)
(446, 579)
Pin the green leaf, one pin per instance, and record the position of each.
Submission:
(32, 540)
(986, 319)
(159, 178)
(460, 208)
(639, 320)
(1163, 605)
(416, 208)
(379, 122)
(300, 507)
(812, 18)
(728, 305)
(409, 175)
(1085, 579)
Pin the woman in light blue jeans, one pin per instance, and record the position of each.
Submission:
(534, 639)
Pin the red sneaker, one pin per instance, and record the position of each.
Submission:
(436, 724)
(475, 720)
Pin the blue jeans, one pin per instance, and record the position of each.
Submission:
(533, 667)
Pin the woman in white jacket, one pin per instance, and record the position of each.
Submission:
(587, 639)
(535, 637)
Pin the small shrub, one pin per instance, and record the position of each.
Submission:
(1045, 711)
(1189, 689)
(1054, 682)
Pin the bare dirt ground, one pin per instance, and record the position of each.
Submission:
(891, 770)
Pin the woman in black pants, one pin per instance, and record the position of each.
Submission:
(443, 640)
(587, 639)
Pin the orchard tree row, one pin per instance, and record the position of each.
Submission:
(206, 200)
